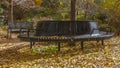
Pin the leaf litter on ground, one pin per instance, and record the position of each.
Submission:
(16, 53)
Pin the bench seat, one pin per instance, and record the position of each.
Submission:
(17, 30)
(67, 38)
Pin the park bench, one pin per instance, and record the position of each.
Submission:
(16, 27)
(66, 31)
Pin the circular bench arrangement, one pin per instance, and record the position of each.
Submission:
(66, 31)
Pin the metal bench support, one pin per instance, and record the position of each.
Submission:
(82, 45)
(102, 42)
(31, 44)
(58, 46)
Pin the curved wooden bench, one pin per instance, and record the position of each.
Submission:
(66, 31)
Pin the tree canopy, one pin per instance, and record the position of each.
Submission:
(103, 11)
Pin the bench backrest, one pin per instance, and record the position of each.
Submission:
(65, 28)
(83, 27)
(27, 25)
(94, 27)
(46, 28)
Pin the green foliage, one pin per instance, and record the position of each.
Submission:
(1, 17)
(103, 11)
(55, 9)
(51, 4)
(111, 9)
(45, 49)
(1, 24)
(1, 10)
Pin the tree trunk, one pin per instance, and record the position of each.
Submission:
(73, 18)
(10, 11)
(73, 10)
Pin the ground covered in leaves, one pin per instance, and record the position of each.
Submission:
(15, 53)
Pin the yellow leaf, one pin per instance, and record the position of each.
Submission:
(38, 2)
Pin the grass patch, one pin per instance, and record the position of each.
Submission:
(45, 49)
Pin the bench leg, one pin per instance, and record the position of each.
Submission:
(31, 43)
(10, 34)
(58, 46)
(7, 34)
(102, 42)
(97, 41)
(82, 45)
